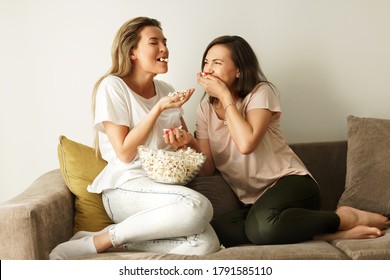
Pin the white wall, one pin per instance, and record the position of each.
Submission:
(328, 58)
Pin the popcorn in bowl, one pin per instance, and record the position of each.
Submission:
(170, 167)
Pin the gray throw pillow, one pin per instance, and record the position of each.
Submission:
(367, 185)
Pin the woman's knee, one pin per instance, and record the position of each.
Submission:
(230, 228)
(261, 231)
(207, 242)
(199, 210)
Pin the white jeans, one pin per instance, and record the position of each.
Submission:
(156, 217)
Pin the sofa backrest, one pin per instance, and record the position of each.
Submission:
(326, 161)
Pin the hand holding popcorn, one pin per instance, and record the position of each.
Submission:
(175, 99)
(177, 137)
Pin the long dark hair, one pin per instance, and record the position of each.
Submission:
(245, 60)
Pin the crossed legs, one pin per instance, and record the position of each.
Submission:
(289, 212)
(149, 217)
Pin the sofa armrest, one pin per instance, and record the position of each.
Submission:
(38, 219)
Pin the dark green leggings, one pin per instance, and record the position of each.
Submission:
(288, 212)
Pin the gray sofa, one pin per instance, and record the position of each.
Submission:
(41, 217)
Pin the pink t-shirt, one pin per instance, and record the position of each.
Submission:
(249, 175)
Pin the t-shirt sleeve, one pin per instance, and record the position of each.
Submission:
(264, 98)
(111, 105)
(201, 121)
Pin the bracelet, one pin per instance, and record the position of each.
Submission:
(227, 106)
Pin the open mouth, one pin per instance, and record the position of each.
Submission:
(161, 59)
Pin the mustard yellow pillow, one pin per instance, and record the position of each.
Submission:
(79, 167)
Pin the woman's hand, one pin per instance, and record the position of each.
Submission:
(175, 101)
(214, 87)
(177, 137)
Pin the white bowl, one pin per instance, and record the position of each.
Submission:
(170, 167)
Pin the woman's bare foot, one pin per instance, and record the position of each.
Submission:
(351, 217)
(358, 232)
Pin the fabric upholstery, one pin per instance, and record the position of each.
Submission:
(326, 162)
(218, 192)
(37, 220)
(310, 250)
(366, 249)
(40, 218)
(79, 167)
(367, 184)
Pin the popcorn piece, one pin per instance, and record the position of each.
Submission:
(178, 92)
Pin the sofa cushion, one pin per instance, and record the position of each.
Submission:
(366, 249)
(367, 185)
(218, 191)
(309, 250)
(79, 167)
(326, 161)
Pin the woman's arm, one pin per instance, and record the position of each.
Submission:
(247, 133)
(125, 141)
(184, 139)
(208, 168)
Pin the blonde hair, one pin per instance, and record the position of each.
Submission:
(125, 41)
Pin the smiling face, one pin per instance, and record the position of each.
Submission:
(218, 63)
(151, 53)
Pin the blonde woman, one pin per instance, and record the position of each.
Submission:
(132, 108)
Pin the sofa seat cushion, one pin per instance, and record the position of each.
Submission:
(366, 249)
(309, 250)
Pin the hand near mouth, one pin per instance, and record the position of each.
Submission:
(213, 85)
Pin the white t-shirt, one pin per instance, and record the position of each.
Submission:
(249, 175)
(117, 103)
